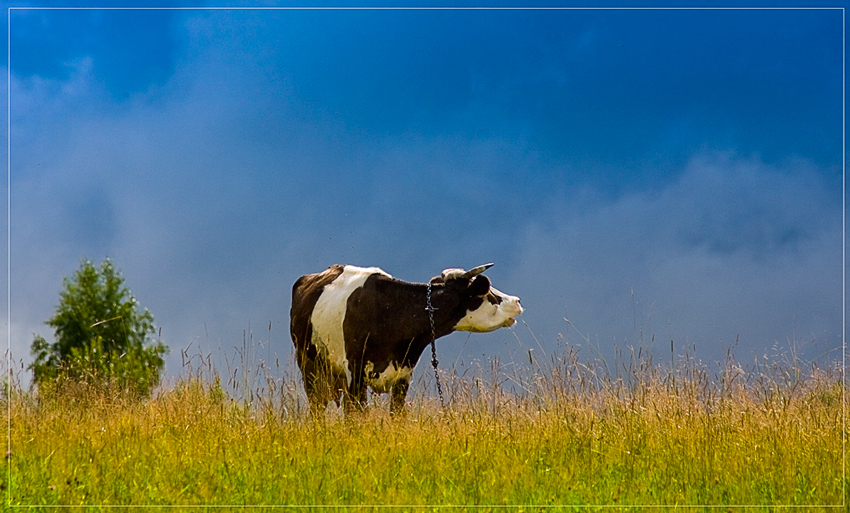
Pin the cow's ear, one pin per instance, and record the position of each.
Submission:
(435, 280)
(480, 286)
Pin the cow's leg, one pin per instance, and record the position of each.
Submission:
(339, 389)
(307, 366)
(317, 391)
(399, 392)
(315, 372)
(355, 397)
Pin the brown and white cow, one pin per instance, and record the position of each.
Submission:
(355, 327)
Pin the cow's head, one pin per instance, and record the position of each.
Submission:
(486, 309)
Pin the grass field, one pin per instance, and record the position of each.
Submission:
(541, 435)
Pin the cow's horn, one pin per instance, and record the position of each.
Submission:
(475, 271)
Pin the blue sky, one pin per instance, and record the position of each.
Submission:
(649, 175)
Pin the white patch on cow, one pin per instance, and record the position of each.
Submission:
(490, 317)
(384, 382)
(329, 314)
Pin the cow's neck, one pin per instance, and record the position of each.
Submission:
(443, 310)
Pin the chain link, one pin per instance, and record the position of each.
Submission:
(434, 361)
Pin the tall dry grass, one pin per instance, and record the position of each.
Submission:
(547, 431)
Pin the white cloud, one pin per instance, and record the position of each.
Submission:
(733, 247)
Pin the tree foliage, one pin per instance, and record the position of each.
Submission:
(101, 335)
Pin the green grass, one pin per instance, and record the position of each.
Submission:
(561, 433)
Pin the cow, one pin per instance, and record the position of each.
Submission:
(355, 327)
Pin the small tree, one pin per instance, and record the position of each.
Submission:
(100, 335)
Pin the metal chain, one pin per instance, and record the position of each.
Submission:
(434, 361)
